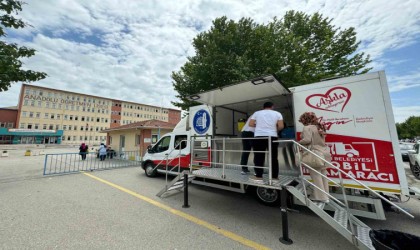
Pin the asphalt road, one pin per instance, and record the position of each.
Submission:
(118, 209)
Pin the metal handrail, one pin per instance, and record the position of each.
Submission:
(341, 179)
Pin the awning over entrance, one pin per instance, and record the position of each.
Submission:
(246, 96)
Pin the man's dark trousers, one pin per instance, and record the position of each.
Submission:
(246, 147)
(259, 158)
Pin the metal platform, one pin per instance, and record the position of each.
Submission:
(234, 175)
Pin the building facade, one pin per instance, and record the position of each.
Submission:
(80, 116)
(137, 136)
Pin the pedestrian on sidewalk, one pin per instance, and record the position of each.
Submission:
(83, 150)
(102, 152)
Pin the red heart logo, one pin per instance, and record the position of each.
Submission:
(334, 100)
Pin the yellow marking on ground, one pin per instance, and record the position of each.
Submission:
(186, 216)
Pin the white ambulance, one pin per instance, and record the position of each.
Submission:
(356, 111)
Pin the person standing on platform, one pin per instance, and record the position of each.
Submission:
(267, 123)
(246, 133)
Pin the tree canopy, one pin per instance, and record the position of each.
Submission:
(298, 49)
(410, 128)
(10, 53)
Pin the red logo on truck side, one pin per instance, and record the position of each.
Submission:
(334, 100)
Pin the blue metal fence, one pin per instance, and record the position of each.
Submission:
(75, 162)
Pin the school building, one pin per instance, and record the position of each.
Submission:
(47, 115)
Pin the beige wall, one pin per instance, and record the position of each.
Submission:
(52, 109)
(130, 138)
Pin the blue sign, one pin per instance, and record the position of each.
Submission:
(201, 121)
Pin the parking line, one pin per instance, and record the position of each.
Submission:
(186, 216)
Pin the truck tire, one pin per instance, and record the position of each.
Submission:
(149, 170)
(267, 196)
(416, 171)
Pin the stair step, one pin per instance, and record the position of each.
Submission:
(173, 187)
(341, 216)
(363, 236)
(319, 204)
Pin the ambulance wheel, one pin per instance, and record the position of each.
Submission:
(416, 171)
(149, 170)
(267, 196)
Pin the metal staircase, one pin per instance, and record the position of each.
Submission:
(342, 221)
(176, 184)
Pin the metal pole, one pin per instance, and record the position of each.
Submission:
(223, 158)
(270, 162)
(284, 220)
(45, 164)
(186, 205)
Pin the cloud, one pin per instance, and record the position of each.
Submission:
(402, 113)
(128, 49)
(403, 82)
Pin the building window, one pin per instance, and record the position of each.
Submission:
(83, 118)
(137, 140)
(58, 116)
(39, 104)
(96, 138)
(36, 126)
(76, 118)
(68, 138)
(27, 91)
(74, 138)
(110, 140)
(97, 120)
(30, 126)
(10, 124)
(32, 103)
(66, 117)
(70, 127)
(44, 126)
(51, 127)
(64, 127)
(81, 128)
(47, 105)
(25, 103)
(52, 116)
(115, 121)
(24, 113)
(71, 118)
(46, 115)
(38, 114)
(81, 138)
(57, 127)
(22, 125)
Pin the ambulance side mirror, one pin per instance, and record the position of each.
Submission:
(411, 151)
(149, 149)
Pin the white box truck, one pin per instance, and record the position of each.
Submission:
(360, 126)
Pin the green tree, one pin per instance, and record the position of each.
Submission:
(299, 49)
(10, 53)
(410, 128)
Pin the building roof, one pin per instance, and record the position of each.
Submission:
(10, 108)
(148, 124)
(111, 99)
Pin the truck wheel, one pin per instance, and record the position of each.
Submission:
(416, 171)
(267, 196)
(149, 170)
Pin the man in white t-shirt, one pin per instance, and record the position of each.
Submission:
(267, 123)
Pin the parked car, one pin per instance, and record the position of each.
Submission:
(414, 159)
(404, 147)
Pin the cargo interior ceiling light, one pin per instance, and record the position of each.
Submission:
(262, 80)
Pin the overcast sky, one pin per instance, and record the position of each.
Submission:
(127, 49)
